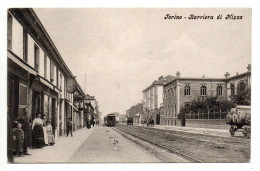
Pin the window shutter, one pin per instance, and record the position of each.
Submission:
(52, 71)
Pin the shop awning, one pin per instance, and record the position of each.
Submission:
(137, 115)
(71, 104)
(21, 63)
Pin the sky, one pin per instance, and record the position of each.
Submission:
(122, 51)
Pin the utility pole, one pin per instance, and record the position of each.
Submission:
(85, 84)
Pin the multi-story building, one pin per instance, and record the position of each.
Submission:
(78, 115)
(153, 98)
(135, 112)
(183, 90)
(91, 108)
(38, 77)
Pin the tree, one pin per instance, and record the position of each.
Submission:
(243, 97)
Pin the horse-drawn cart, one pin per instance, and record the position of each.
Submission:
(239, 118)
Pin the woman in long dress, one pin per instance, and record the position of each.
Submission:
(49, 132)
(44, 130)
(38, 132)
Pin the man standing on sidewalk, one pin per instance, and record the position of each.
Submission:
(69, 127)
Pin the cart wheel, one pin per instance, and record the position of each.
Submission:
(247, 132)
(232, 131)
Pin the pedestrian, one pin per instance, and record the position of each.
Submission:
(142, 122)
(45, 135)
(152, 122)
(26, 127)
(49, 132)
(69, 127)
(19, 138)
(37, 128)
(88, 123)
(93, 123)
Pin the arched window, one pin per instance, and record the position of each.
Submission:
(241, 86)
(219, 90)
(232, 88)
(203, 90)
(187, 90)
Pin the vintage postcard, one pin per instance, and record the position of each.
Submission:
(129, 85)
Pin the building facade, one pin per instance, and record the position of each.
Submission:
(38, 77)
(180, 91)
(153, 98)
(135, 112)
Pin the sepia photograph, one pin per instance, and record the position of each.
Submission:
(128, 85)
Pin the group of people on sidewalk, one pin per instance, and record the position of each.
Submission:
(92, 122)
(148, 122)
(22, 134)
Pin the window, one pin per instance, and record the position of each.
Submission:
(41, 62)
(174, 110)
(219, 90)
(17, 38)
(52, 71)
(30, 51)
(22, 95)
(36, 57)
(9, 31)
(232, 88)
(187, 90)
(47, 67)
(241, 86)
(203, 90)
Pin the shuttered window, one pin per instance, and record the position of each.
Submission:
(36, 57)
(22, 95)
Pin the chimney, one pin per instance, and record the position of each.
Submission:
(237, 73)
(203, 76)
(161, 77)
(227, 75)
(178, 74)
(249, 68)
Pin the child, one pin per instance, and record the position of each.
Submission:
(19, 137)
(50, 135)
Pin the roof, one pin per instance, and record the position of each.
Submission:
(161, 81)
(28, 18)
(207, 79)
(88, 97)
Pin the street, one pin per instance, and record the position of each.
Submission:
(96, 145)
(121, 144)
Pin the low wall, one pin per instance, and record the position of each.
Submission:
(207, 123)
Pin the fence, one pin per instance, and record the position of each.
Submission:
(206, 115)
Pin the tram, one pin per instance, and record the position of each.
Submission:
(110, 120)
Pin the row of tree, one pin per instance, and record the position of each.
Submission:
(242, 97)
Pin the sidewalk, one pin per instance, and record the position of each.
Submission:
(194, 130)
(63, 149)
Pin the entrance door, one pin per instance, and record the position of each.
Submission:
(54, 116)
(158, 119)
(35, 104)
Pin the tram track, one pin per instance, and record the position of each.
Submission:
(232, 141)
(196, 148)
(171, 150)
